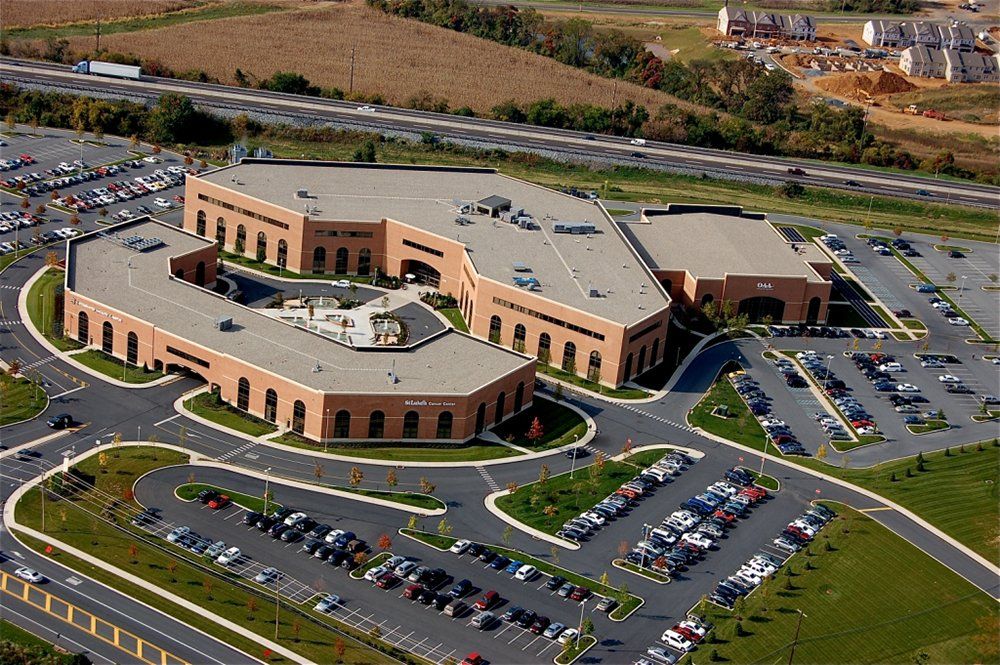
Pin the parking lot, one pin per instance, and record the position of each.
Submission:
(111, 176)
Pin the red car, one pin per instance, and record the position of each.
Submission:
(178, 198)
(489, 599)
(755, 493)
(218, 502)
(413, 591)
(473, 659)
(729, 517)
(626, 492)
(579, 593)
(386, 580)
(687, 632)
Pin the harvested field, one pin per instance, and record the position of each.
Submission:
(24, 13)
(395, 57)
(873, 84)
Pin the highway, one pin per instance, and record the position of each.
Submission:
(563, 144)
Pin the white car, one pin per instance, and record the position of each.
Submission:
(327, 603)
(907, 388)
(366, 109)
(677, 641)
(161, 203)
(958, 321)
(698, 540)
(525, 573)
(373, 574)
(891, 367)
(267, 576)
(934, 364)
(333, 535)
(459, 547)
(949, 378)
(343, 283)
(295, 517)
(151, 160)
(597, 520)
(659, 654)
(568, 636)
(176, 534)
(394, 561)
(696, 628)
(404, 569)
(229, 556)
(29, 575)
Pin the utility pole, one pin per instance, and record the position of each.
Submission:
(267, 484)
(350, 90)
(795, 640)
(98, 48)
(277, 608)
(42, 488)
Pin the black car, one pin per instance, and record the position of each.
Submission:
(251, 518)
(426, 597)
(434, 577)
(576, 453)
(955, 254)
(337, 557)
(266, 522)
(441, 601)
(311, 547)
(292, 536)
(323, 552)
(306, 525)
(205, 496)
(513, 614)
(638, 155)
(486, 555)
(276, 530)
(60, 421)
(526, 619)
(852, 183)
(555, 582)
(475, 549)
(461, 589)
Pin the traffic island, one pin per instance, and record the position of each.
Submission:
(639, 570)
(574, 650)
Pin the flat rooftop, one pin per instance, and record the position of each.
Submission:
(711, 244)
(139, 284)
(565, 265)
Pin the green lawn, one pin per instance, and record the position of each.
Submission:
(579, 381)
(560, 425)
(249, 262)
(404, 452)
(645, 572)
(40, 302)
(208, 406)
(928, 426)
(454, 316)
(765, 481)
(19, 646)
(190, 491)
(914, 324)
(919, 607)
(627, 602)
(575, 649)
(565, 497)
(21, 399)
(739, 426)
(114, 367)
(227, 596)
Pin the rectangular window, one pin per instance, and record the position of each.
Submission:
(187, 356)
(242, 211)
(326, 233)
(423, 248)
(548, 319)
(645, 331)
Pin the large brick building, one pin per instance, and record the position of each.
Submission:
(139, 294)
(532, 269)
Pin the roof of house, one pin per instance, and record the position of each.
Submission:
(715, 241)
(140, 285)
(425, 197)
(958, 59)
(924, 55)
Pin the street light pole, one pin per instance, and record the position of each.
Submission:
(277, 608)
(645, 534)
(579, 628)
(826, 379)
(795, 640)
(961, 289)
(572, 468)
(267, 485)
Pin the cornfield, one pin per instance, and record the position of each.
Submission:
(25, 13)
(393, 57)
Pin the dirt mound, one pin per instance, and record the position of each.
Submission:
(874, 83)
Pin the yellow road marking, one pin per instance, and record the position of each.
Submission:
(874, 510)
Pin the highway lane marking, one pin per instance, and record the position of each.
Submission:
(83, 649)
(66, 392)
(874, 510)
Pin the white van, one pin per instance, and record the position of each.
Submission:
(638, 141)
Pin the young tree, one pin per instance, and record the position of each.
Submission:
(426, 486)
(543, 474)
(511, 487)
(390, 478)
(360, 558)
(821, 452)
(550, 510)
(588, 626)
(444, 528)
(133, 553)
(411, 523)
(535, 431)
(507, 533)
(251, 607)
(172, 568)
(605, 580)
(355, 477)
(339, 648)
(296, 628)
(318, 471)
(384, 542)
(623, 548)
(554, 551)
(208, 584)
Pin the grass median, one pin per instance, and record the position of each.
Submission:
(929, 614)
(75, 520)
(627, 602)
(210, 406)
(190, 491)
(40, 302)
(454, 316)
(560, 425)
(115, 368)
(22, 399)
(738, 425)
(404, 452)
(19, 646)
(547, 505)
(592, 386)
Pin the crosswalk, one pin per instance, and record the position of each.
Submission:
(492, 484)
(10, 287)
(10, 322)
(657, 418)
(35, 364)
(236, 452)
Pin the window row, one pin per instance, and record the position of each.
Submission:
(544, 353)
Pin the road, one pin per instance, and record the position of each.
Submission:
(561, 143)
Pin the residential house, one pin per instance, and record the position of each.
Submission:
(957, 37)
(887, 34)
(920, 33)
(923, 62)
(737, 22)
(971, 67)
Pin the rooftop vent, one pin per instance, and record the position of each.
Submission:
(575, 228)
(302, 194)
(224, 323)
(141, 244)
(520, 266)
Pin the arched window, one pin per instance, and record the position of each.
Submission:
(179, 273)
(270, 405)
(411, 425)
(282, 253)
(481, 417)
(501, 403)
(519, 397)
(569, 358)
(299, 417)
(200, 227)
(262, 247)
(594, 367)
(340, 266)
(107, 337)
(444, 425)
(654, 352)
(132, 349)
(642, 360)
(199, 273)
(83, 328)
(376, 425)
(364, 261)
(520, 334)
(628, 368)
(342, 424)
(707, 299)
(220, 232)
(495, 325)
(241, 239)
(319, 260)
(812, 314)
(668, 285)
(544, 348)
(243, 394)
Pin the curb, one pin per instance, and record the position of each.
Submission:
(490, 503)
(593, 643)
(22, 312)
(620, 565)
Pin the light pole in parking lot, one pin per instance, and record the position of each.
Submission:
(579, 628)
(572, 468)
(267, 486)
(645, 535)
(961, 289)
(826, 379)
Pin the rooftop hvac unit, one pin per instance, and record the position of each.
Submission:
(594, 292)
(302, 193)
(574, 227)
(520, 266)
(224, 323)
